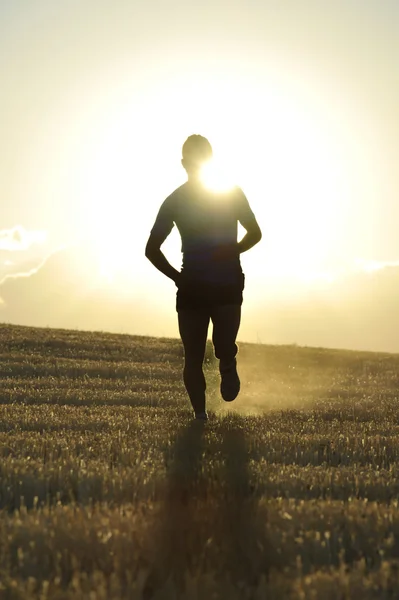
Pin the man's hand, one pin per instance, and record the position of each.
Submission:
(178, 279)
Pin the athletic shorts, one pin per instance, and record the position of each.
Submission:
(204, 296)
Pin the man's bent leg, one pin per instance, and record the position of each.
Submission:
(193, 327)
(226, 322)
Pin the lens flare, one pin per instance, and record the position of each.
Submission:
(217, 177)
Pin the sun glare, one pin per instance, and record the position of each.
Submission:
(216, 176)
(283, 156)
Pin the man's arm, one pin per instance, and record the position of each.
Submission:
(251, 238)
(155, 255)
(248, 220)
(253, 233)
(162, 227)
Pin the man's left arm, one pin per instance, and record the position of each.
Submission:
(248, 220)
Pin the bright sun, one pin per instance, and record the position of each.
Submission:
(287, 164)
(217, 176)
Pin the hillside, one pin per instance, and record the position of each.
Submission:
(109, 490)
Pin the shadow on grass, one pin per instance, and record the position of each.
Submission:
(248, 555)
(210, 523)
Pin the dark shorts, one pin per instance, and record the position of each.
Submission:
(204, 296)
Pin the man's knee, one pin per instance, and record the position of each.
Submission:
(226, 351)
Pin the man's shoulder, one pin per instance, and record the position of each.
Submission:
(235, 196)
(176, 195)
(237, 192)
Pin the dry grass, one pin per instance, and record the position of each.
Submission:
(109, 490)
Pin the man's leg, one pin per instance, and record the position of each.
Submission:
(226, 322)
(193, 327)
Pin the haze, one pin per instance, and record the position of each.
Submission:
(300, 100)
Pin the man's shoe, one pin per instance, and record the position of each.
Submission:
(230, 384)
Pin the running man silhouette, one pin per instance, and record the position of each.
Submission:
(211, 282)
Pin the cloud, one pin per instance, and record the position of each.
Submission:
(27, 271)
(67, 291)
(374, 265)
(18, 238)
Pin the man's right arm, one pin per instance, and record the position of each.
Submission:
(162, 227)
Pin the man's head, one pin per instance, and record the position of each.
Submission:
(196, 152)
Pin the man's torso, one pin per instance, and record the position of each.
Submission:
(207, 223)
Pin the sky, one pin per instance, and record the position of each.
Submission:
(300, 101)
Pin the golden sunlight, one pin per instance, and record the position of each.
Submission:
(216, 176)
(285, 158)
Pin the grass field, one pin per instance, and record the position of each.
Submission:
(108, 490)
